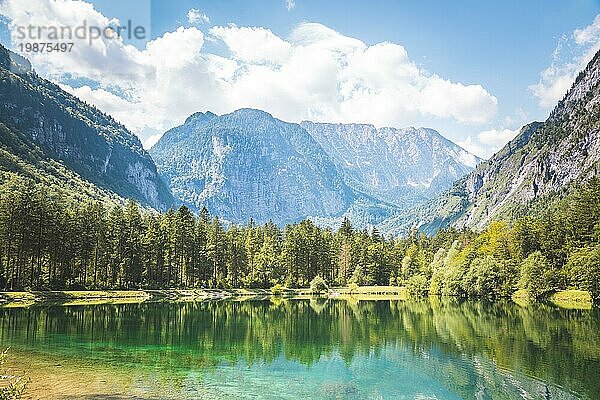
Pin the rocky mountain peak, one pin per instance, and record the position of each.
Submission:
(247, 164)
(200, 117)
(402, 166)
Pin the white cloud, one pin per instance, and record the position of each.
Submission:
(570, 57)
(488, 142)
(290, 4)
(553, 85)
(518, 118)
(497, 138)
(443, 98)
(474, 147)
(111, 104)
(152, 140)
(253, 45)
(315, 73)
(196, 16)
(589, 34)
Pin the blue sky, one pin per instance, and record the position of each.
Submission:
(521, 54)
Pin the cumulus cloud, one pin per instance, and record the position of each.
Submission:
(253, 45)
(89, 58)
(313, 73)
(196, 16)
(488, 142)
(588, 34)
(473, 146)
(496, 138)
(571, 55)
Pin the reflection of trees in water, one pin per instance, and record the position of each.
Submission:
(560, 346)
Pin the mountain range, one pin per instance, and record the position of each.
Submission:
(401, 166)
(247, 164)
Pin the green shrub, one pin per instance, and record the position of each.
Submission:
(489, 277)
(277, 290)
(583, 270)
(537, 276)
(318, 285)
(452, 281)
(418, 285)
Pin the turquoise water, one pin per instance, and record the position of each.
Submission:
(307, 349)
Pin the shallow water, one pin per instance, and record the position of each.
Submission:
(310, 349)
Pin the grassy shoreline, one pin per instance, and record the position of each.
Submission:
(75, 297)
(565, 299)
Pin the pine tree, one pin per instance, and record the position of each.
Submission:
(345, 263)
(216, 252)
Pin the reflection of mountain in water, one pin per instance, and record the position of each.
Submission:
(330, 349)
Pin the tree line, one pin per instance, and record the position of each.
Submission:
(48, 242)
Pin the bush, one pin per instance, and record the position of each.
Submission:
(484, 278)
(277, 290)
(418, 285)
(490, 278)
(318, 284)
(353, 287)
(583, 270)
(537, 276)
(451, 282)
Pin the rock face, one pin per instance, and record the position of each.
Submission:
(401, 166)
(85, 140)
(248, 164)
(541, 164)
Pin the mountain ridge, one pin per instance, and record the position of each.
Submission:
(204, 160)
(207, 162)
(399, 165)
(542, 163)
(89, 142)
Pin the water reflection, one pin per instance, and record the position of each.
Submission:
(320, 348)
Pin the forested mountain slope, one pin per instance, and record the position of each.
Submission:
(543, 163)
(58, 129)
(22, 162)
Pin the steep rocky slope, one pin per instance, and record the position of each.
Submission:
(248, 164)
(540, 165)
(76, 135)
(402, 166)
(23, 162)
